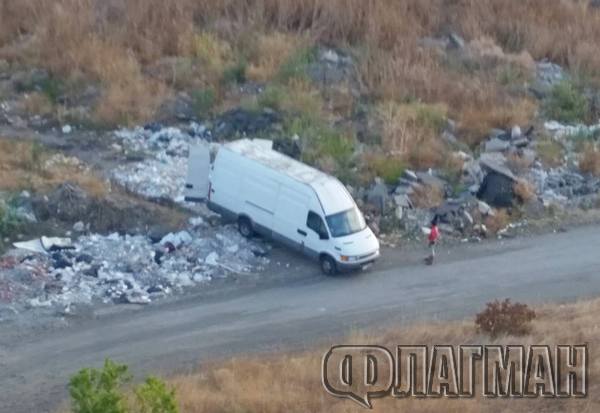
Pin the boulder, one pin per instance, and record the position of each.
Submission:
(496, 145)
(378, 196)
(497, 189)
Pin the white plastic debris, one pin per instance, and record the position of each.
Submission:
(212, 259)
(33, 246)
(121, 269)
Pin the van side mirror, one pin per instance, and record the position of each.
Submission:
(323, 235)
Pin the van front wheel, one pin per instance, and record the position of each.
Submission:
(245, 227)
(328, 265)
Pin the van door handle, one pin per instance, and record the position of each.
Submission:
(303, 233)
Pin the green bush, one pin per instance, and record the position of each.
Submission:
(297, 64)
(235, 73)
(9, 221)
(388, 169)
(154, 397)
(567, 104)
(272, 97)
(53, 87)
(322, 141)
(203, 101)
(101, 391)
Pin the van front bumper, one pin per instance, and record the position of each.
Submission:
(362, 262)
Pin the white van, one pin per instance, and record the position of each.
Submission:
(278, 197)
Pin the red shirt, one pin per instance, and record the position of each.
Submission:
(434, 234)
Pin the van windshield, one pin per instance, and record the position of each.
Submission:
(346, 223)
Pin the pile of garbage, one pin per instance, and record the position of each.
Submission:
(489, 181)
(60, 274)
(158, 155)
(161, 157)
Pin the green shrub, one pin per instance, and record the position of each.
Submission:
(235, 73)
(272, 97)
(99, 390)
(430, 116)
(388, 169)
(567, 104)
(53, 87)
(297, 64)
(322, 141)
(9, 221)
(154, 397)
(203, 101)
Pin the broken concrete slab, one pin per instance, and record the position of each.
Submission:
(496, 145)
(56, 244)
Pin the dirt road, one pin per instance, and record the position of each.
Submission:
(298, 310)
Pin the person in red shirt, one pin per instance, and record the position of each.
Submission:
(434, 236)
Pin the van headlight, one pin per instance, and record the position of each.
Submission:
(347, 258)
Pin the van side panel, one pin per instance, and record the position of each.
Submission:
(225, 183)
(289, 220)
(258, 197)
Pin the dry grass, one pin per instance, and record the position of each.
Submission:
(25, 165)
(524, 191)
(427, 196)
(497, 221)
(550, 152)
(115, 41)
(590, 160)
(292, 382)
(270, 53)
(412, 131)
(36, 103)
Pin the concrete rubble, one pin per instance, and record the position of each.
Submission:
(60, 274)
(506, 159)
(161, 158)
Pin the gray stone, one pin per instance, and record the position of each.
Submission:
(410, 175)
(496, 145)
(456, 41)
(403, 201)
(79, 226)
(484, 208)
(496, 162)
(431, 180)
(378, 196)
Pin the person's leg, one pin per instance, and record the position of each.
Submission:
(432, 246)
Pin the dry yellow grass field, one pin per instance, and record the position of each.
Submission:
(27, 165)
(114, 41)
(291, 382)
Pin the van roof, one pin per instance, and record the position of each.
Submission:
(327, 187)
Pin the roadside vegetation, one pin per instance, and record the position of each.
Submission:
(291, 382)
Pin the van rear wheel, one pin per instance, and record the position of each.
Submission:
(328, 265)
(245, 227)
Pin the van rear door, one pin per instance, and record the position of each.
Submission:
(197, 184)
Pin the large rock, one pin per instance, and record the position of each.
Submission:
(496, 145)
(497, 190)
(378, 196)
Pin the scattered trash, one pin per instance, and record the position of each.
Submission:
(59, 274)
